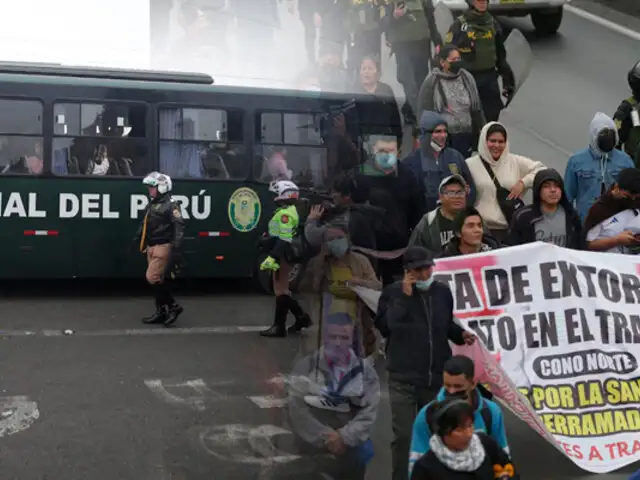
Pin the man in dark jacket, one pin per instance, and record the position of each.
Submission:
(415, 315)
(550, 218)
(434, 161)
(469, 235)
(385, 183)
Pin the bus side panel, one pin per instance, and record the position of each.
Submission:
(34, 241)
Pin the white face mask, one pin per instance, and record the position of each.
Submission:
(436, 147)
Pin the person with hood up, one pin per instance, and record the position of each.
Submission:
(501, 178)
(469, 235)
(551, 218)
(452, 92)
(613, 222)
(592, 171)
(434, 160)
(415, 316)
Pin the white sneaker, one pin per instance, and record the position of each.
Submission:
(326, 403)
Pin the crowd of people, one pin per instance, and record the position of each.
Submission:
(461, 192)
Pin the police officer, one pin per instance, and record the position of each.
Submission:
(627, 117)
(160, 237)
(283, 227)
(410, 27)
(480, 40)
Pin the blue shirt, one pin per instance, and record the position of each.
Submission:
(421, 433)
(587, 174)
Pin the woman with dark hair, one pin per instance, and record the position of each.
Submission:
(381, 110)
(456, 451)
(501, 179)
(452, 92)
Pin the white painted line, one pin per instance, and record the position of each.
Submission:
(221, 330)
(627, 32)
(268, 401)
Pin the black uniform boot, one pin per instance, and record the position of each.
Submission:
(173, 312)
(302, 319)
(160, 314)
(278, 329)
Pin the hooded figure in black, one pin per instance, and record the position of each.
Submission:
(550, 218)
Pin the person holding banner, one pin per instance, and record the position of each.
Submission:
(459, 374)
(415, 315)
(457, 452)
(469, 235)
(551, 218)
(613, 223)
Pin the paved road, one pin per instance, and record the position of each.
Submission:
(117, 399)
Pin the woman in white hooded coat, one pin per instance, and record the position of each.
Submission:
(514, 173)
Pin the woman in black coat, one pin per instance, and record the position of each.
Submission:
(456, 451)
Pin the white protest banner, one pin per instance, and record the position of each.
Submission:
(562, 335)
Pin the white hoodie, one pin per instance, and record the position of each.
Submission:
(508, 169)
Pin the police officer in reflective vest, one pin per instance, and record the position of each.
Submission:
(480, 40)
(627, 117)
(283, 227)
(160, 237)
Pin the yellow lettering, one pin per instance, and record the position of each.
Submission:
(537, 397)
(634, 420)
(560, 425)
(574, 425)
(613, 395)
(621, 421)
(603, 422)
(566, 397)
(588, 428)
(547, 418)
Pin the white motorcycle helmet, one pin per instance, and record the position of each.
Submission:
(159, 180)
(284, 190)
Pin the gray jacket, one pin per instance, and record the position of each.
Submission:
(311, 424)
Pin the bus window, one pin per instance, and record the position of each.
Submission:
(291, 147)
(202, 143)
(21, 137)
(100, 139)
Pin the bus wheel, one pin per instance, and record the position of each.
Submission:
(547, 22)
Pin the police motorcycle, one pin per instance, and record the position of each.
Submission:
(519, 53)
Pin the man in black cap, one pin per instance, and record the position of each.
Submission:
(415, 316)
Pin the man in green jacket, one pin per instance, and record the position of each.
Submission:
(435, 229)
(410, 29)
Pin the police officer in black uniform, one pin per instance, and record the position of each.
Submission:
(160, 237)
(480, 40)
(627, 117)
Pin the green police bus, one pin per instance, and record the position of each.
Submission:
(76, 142)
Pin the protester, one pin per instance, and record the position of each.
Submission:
(434, 161)
(452, 92)
(592, 171)
(385, 183)
(381, 108)
(456, 452)
(329, 74)
(435, 229)
(551, 218)
(613, 222)
(469, 235)
(331, 416)
(334, 271)
(458, 381)
(501, 178)
(415, 316)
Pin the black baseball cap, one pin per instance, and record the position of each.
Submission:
(417, 257)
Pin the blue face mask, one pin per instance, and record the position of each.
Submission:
(386, 161)
(338, 247)
(424, 284)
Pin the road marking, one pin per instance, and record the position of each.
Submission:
(627, 32)
(141, 332)
(268, 401)
(202, 391)
(17, 414)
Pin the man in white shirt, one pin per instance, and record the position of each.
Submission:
(613, 223)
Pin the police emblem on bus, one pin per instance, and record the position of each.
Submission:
(244, 209)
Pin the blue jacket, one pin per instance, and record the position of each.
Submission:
(421, 432)
(429, 171)
(635, 476)
(589, 168)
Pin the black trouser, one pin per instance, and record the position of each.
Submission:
(412, 60)
(406, 401)
(465, 143)
(489, 90)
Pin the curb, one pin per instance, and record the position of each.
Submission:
(605, 12)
